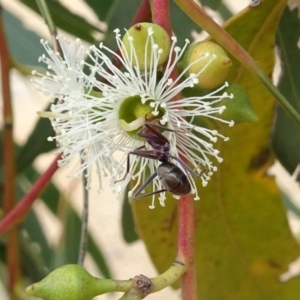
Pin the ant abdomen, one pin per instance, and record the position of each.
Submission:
(173, 179)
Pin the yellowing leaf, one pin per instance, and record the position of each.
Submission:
(243, 243)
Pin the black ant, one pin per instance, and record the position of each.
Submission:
(172, 178)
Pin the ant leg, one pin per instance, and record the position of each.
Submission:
(159, 126)
(187, 168)
(149, 179)
(137, 152)
(152, 134)
(149, 194)
(128, 162)
(149, 124)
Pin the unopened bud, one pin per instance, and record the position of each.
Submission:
(209, 62)
(146, 38)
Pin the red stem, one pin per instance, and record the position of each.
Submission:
(19, 212)
(186, 245)
(161, 14)
(8, 144)
(12, 248)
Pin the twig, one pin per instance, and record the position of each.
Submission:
(84, 221)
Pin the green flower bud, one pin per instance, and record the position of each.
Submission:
(69, 282)
(210, 62)
(239, 108)
(142, 37)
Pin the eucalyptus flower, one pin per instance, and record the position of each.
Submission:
(98, 114)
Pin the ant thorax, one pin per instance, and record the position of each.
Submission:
(162, 152)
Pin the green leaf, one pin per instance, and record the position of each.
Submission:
(243, 242)
(32, 259)
(102, 9)
(69, 245)
(128, 228)
(213, 4)
(219, 6)
(24, 45)
(286, 135)
(182, 25)
(224, 11)
(36, 234)
(290, 204)
(66, 20)
(125, 9)
(36, 144)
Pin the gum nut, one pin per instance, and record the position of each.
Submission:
(69, 282)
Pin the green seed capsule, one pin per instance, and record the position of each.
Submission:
(142, 37)
(69, 282)
(210, 62)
